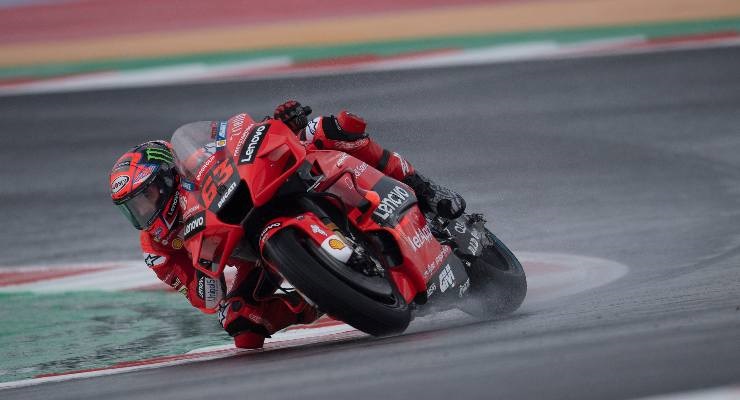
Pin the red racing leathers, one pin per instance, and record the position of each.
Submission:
(346, 133)
(252, 310)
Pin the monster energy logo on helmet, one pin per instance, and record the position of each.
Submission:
(159, 155)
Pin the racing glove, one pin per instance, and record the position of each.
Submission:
(293, 114)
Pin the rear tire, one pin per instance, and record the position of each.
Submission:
(304, 264)
(498, 283)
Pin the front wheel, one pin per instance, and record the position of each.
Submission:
(498, 283)
(370, 304)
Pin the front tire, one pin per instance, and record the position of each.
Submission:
(498, 283)
(307, 267)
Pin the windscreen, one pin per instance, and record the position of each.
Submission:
(194, 144)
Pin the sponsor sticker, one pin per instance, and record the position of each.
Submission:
(446, 278)
(192, 210)
(434, 265)
(336, 244)
(464, 288)
(187, 185)
(315, 229)
(221, 137)
(173, 207)
(177, 285)
(159, 155)
(238, 122)
(420, 238)
(144, 172)
(336, 248)
(360, 169)
(152, 260)
(208, 291)
(473, 246)
(239, 145)
(432, 288)
(195, 224)
(177, 243)
(226, 194)
(267, 229)
(253, 143)
(204, 167)
(350, 146)
(119, 183)
(202, 287)
(125, 164)
(342, 159)
(391, 201)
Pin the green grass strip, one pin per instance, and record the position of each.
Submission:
(53, 333)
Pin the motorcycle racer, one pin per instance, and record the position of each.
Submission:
(147, 189)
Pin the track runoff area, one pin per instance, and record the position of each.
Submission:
(550, 276)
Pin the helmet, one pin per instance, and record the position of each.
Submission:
(143, 184)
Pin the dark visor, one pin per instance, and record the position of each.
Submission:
(144, 207)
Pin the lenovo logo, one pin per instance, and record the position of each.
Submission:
(195, 224)
(391, 202)
(253, 143)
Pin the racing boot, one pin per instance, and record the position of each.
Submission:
(250, 323)
(434, 198)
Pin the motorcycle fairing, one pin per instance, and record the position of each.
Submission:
(354, 182)
(314, 229)
(223, 161)
(266, 156)
(207, 239)
(395, 198)
(450, 279)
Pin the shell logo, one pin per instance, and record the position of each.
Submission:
(336, 244)
(177, 244)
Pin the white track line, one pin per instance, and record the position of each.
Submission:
(719, 393)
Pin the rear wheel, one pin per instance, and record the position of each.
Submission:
(368, 303)
(498, 283)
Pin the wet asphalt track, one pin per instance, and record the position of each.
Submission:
(632, 158)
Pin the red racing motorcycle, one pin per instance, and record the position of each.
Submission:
(349, 239)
